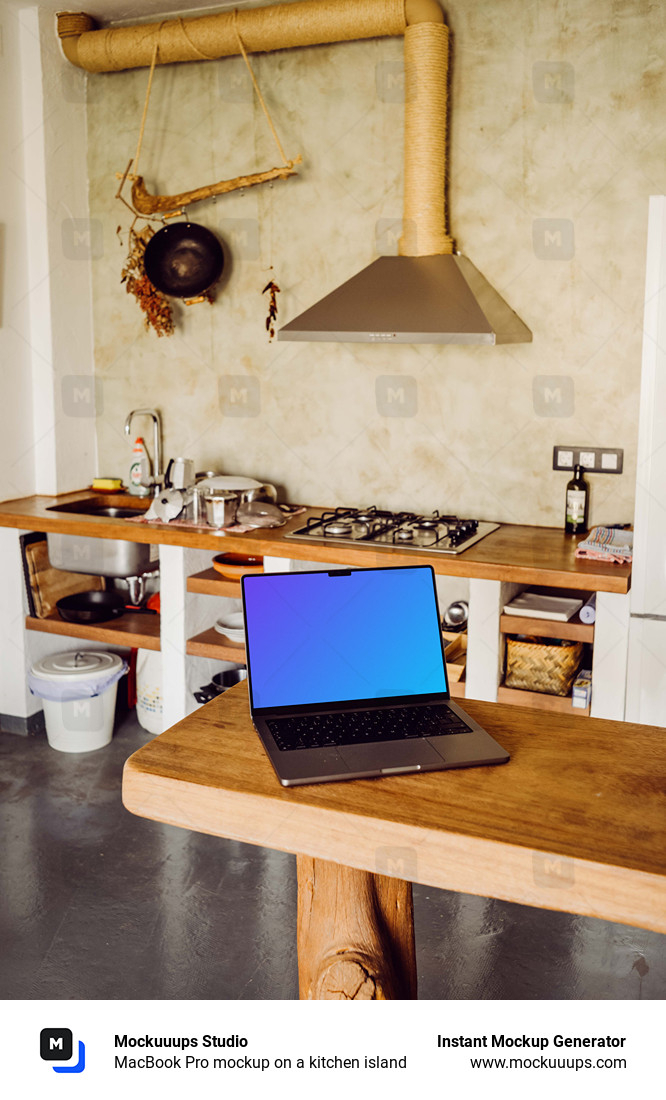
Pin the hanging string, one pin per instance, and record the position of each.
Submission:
(145, 108)
(257, 90)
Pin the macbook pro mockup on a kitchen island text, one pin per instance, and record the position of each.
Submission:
(347, 676)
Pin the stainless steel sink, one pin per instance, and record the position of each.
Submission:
(106, 557)
(115, 506)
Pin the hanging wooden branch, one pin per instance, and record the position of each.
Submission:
(145, 203)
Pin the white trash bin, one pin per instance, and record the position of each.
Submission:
(78, 691)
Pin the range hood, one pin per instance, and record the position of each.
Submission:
(429, 293)
(412, 300)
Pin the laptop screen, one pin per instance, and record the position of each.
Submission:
(347, 635)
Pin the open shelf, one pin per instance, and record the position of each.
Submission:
(211, 583)
(210, 643)
(539, 701)
(547, 628)
(135, 631)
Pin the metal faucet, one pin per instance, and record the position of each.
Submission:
(158, 473)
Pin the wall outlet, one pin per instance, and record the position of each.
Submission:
(595, 460)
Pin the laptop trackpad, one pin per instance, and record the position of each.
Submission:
(389, 755)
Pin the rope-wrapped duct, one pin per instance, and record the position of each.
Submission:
(73, 23)
(426, 67)
(310, 23)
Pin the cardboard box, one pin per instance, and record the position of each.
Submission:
(581, 693)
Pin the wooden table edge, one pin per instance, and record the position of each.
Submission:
(446, 861)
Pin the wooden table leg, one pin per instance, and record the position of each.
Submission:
(355, 934)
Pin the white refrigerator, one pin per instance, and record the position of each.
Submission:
(646, 665)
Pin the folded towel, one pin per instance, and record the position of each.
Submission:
(607, 544)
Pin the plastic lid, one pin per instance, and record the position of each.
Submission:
(83, 664)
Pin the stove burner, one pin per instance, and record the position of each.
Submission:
(338, 529)
(430, 533)
(367, 515)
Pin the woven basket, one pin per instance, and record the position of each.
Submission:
(537, 666)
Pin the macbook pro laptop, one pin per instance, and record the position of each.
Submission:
(347, 676)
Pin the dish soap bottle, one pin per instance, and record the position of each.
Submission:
(578, 501)
(139, 471)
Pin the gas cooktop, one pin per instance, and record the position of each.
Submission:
(432, 533)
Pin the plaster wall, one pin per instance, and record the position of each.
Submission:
(556, 143)
(17, 468)
(47, 412)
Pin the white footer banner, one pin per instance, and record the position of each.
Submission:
(127, 1049)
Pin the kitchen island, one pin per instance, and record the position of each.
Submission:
(586, 837)
(496, 568)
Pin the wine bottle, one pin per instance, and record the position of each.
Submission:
(578, 502)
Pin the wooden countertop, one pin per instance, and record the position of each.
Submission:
(574, 821)
(527, 555)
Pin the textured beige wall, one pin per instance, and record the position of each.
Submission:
(556, 144)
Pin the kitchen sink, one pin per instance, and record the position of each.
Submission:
(118, 506)
(105, 557)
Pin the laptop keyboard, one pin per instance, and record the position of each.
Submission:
(363, 727)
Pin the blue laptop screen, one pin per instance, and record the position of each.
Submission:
(333, 637)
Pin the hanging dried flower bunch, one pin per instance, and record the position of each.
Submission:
(272, 308)
(156, 307)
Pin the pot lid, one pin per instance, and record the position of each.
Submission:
(79, 665)
(228, 481)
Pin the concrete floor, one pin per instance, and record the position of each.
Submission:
(96, 903)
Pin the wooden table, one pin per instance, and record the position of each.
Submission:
(576, 821)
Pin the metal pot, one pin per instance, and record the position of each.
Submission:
(220, 506)
(229, 677)
(220, 682)
(183, 260)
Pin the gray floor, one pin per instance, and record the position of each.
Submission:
(96, 903)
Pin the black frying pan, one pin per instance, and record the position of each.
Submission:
(183, 260)
(91, 607)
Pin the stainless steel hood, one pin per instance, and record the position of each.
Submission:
(412, 300)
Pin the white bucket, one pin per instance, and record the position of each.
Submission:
(78, 724)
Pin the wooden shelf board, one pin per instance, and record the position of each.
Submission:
(212, 583)
(210, 643)
(457, 689)
(132, 630)
(547, 628)
(538, 700)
